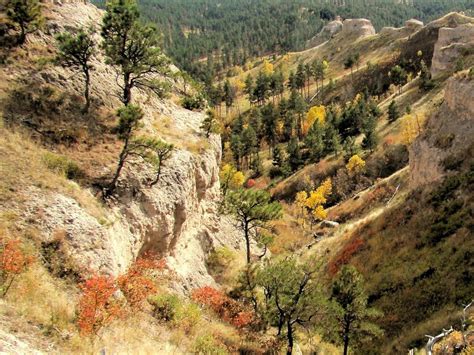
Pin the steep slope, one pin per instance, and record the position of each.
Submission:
(416, 251)
(176, 218)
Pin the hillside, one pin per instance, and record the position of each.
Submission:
(315, 202)
(230, 33)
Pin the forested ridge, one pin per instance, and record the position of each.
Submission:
(234, 31)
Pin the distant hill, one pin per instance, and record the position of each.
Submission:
(234, 31)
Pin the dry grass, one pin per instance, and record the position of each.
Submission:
(22, 167)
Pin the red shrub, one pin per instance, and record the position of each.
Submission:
(250, 183)
(96, 305)
(13, 261)
(345, 255)
(137, 284)
(226, 308)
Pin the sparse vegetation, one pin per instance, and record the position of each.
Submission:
(287, 119)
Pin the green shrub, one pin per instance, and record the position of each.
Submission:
(219, 259)
(62, 165)
(207, 345)
(188, 316)
(196, 102)
(165, 307)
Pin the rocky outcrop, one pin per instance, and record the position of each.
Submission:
(451, 44)
(447, 136)
(357, 28)
(413, 24)
(328, 31)
(177, 218)
(410, 27)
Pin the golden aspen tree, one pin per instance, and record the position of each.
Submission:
(315, 113)
(355, 165)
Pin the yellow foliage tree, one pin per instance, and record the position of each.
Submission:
(355, 165)
(315, 113)
(267, 67)
(313, 203)
(412, 126)
(319, 213)
(238, 84)
(230, 178)
(300, 202)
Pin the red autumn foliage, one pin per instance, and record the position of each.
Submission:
(96, 305)
(137, 284)
(226, 308)
(345, 255)
(250, 183)
(13, 261)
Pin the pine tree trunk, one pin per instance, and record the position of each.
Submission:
(289, 349)
(127, 89)
(121, 163)
(86, 90)
(247, 240)
(346, 339)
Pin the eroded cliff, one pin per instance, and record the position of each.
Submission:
(177, 218)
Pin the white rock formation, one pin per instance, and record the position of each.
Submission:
(450, 45)
(447, 134)
(178, 218)
(357, 28)
(413, 24)
(327, 32)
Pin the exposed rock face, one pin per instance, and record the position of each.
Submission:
(413, 24)
(357, 28)
(327, 32)
(450, 45)
(448, 134)
(177, 218)
(410, 27)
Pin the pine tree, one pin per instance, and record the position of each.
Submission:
(300, 78)
(370, 140)
(76, 51)
(425, 77)
(277, 157)
(332, 140)
(349, 315)
(162, 151)
(249, 88)
(129, 122)
(229, 95)
(393, 112)
(26, 14)
(399, 77)
(314, 141)
(210, 124)
(294, 154)
(133, 48)
(252, 208)
(293, 296)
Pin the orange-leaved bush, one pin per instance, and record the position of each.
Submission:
(13, 262)
(225, 307)
(138, 284)
(344, 256)
(97, 306)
